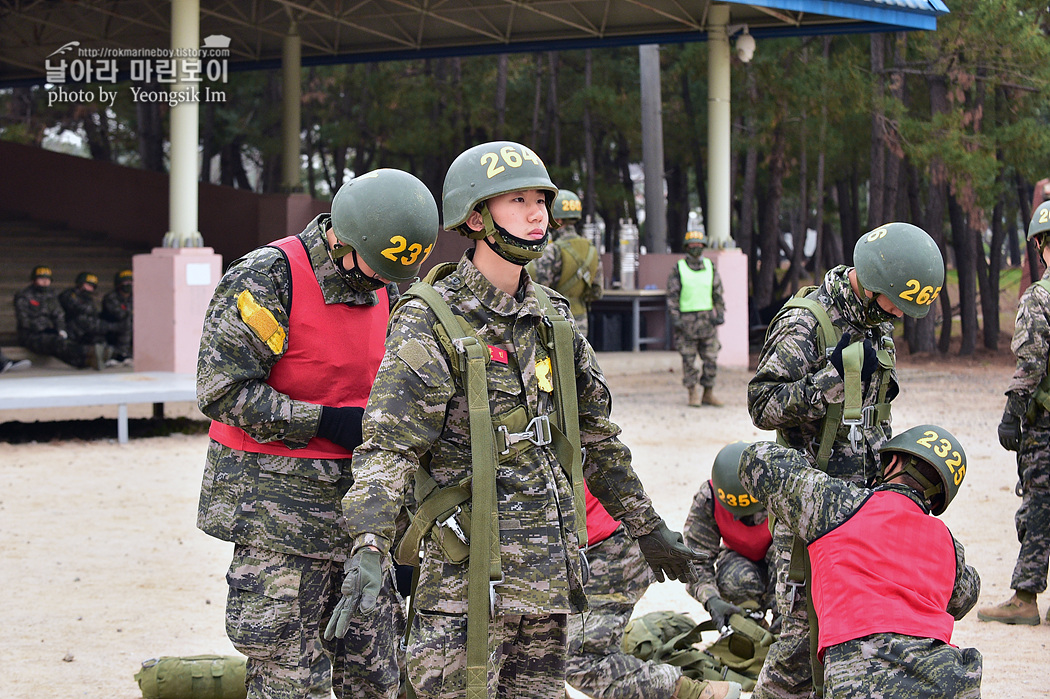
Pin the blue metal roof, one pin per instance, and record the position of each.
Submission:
(905, 14)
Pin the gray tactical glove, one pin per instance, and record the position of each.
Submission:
(364, 580)
(665, 552)
(720, 611)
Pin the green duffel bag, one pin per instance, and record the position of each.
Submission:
(193, 677)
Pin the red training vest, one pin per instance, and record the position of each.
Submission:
(333, 356)
(750, 541)
(600, 524)
(890, 568)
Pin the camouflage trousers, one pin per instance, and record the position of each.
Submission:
(739, 579)
(526, 656)
(597, 664)
(277, 609)
(892, 665)
(1033, 517)
(694, 334)
(52, 345)
(787, 673)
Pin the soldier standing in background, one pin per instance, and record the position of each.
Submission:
(1025, 429)
(118, 309)
(731, 528)
(834, 407)
(493, 595)
(292, 340)
(42, 324)
(571, 264)
(889, 581)
(694, 299)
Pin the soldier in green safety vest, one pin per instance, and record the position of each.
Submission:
(694, 298)
(485, 403)
(1025, 429)
(571, 264)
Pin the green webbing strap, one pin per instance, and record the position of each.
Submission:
(816, 666)
(568, 422)
(435, 504)
(852, 362)
(1041, 396)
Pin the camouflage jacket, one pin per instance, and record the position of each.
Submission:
(811, 504)
(794, 384)
(279, 503)
(701, 534)
(37, 310)
(674, 290)
(547, 270)
(418, 405)
(83, 314)
(117, 307)
(1031, 344)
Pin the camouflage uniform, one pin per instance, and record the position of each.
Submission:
(882, 664)
(118, 309)
(1031, 346)
(696, 332)
(283, 513)
(417, 406)
(790, 392)
(547, 270)
(725, 573)
(41, 324)
(83, 316)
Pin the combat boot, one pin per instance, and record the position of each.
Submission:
(1019, 609)
(96, 357)
(688, 688)
(694, 397)
(709, 397)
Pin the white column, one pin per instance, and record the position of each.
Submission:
(182, 180)
(718, 126)
(653, 147)
(291, 80)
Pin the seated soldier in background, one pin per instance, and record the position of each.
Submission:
(7, 364)
(731, 527)
(118, 312)
(42, 325)
(888, 580)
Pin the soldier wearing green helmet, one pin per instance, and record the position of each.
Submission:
(884, 610)
(484, 400)
(730, 526)
(1025, 429)
(825, 381)
(292, 340)
(571, 264)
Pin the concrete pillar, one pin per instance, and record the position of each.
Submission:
(718, 127)
(185, 134)
(653, 148)
(291, 81)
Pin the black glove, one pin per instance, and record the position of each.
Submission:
(871, 361)
(720, 317)
(341, 425)
(1010, 431)
(720, 611)
(665, 552)
(364, 580)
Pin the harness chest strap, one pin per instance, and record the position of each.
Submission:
(1041, 396)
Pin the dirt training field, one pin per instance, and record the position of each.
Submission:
(104, 568)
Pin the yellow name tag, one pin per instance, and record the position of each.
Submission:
(543, 375)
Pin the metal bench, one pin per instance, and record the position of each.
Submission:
(97, 388)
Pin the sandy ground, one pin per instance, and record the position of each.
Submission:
(103, 567)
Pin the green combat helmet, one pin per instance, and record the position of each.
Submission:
(390, 219)
(567, 206)
(86, 278)
(725, 478)
(486, 171)
(937, 447)
(1040, 224)
(902, 262)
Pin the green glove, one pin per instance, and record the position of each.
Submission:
(364, 580)
(720, 611)
(665, 552)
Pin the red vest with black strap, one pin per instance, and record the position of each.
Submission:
(750, 541)
(897, 578)
(600, 524)
(333, 356)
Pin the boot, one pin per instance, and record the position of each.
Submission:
(694, 397)
(709, 397)
(1019, 609)
(688, 688)
(96, 357)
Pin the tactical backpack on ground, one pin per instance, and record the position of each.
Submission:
(193, 677)
(671, 638)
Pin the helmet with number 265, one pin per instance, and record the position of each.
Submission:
(1040, 223)
(725, 479)
(390, 219)
(902, 262)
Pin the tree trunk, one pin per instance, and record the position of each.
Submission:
(552, 147)
(588, 140)
(694, 120)
(151, 136)
(877, 181)
(96, 128)
(819, 263)
(964, 243)
(892, 148)
(990, 277)
(769, 223)
(501, 97)
(537, 99)
(677, 203)
(746, 230)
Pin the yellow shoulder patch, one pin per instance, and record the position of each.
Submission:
(261, 321)
(543, 375)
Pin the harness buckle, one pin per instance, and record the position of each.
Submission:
(795, 593)
(538, 431)
(494, 597)
(867, 419)
(452, 524)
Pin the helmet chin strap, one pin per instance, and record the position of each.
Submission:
(929, 488)
(874, 314)
(511, 248)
